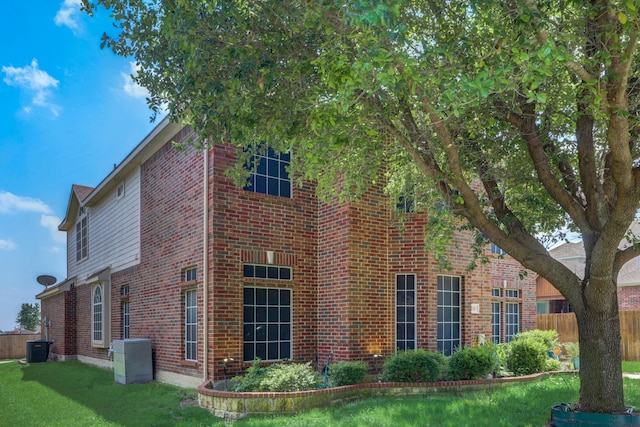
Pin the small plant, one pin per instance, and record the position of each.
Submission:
(526, 356)
(572, 349)
(346, 373)
(551, 365)
(415, 366)
(471, 363)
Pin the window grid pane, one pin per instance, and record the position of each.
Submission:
(125, 320)
(495, 322)
(512, 320)
(267, 324)
(449, 321)
(258, 271)
(271, 175)
(405, 312)
(81, 239)
(190, 325)
(97, 314)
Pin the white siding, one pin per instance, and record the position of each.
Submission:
(113, 231)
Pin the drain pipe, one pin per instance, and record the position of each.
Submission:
(205, 269)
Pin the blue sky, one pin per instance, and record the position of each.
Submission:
(68, 112)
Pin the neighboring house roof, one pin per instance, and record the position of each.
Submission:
(573, 257)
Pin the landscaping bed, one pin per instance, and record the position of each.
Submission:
(233, 405)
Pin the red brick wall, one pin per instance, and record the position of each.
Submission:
(344, 258)
(243, 226)
(629, 297)
(60, 309)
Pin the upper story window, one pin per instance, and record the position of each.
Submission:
(512, 293)
(267, 272)
(495, 249)
(82, 246)
(190, 274)
(405, 204)
(270, 175)
(120, 192)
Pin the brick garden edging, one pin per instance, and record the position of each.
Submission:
(233, 405)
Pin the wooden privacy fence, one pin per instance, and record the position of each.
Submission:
(567, 328)
(14, 346)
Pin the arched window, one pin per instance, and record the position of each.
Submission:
(97, 313)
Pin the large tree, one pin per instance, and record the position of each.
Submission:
(29, 316)
(521, 115)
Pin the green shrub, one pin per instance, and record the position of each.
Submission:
(526, 356)
(552, 365)
(251, 379)
(280, 377)
(548, 338)
(346, 373)
(290, 377)
(472, 363)
(415, 366)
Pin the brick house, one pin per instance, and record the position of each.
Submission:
(166, 247)
(549, 299)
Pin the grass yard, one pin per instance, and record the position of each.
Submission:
(74, 394)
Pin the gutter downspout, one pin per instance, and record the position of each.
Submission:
(205, 269)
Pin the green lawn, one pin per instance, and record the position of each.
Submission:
(73, 394)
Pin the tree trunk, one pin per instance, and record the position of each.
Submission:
(601, 388)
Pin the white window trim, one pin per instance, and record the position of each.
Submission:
(415, 310)
(106, 315)
(187, 324)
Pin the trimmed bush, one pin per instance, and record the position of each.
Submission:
(251, 379)
(548, 338)
(472, 363)
(346, 373)
(526, 356)
(280, 377)
(290, 377)
(415, 366)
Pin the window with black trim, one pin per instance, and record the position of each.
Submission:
(270, 174)
(267, 324)
(405, 311)
(449, 313)
(259, 271)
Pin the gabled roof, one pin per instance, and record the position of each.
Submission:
(89, 196)
(78, 194)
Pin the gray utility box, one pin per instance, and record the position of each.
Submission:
(132, 361)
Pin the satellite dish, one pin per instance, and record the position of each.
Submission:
(46, 280)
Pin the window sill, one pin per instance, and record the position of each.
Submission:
(189, 363)
(189, 285)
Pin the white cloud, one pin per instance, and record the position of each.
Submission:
(7, 245)
(130, 87)
(34, 80)
(69, 15)
(51, 223)
(10, 203)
